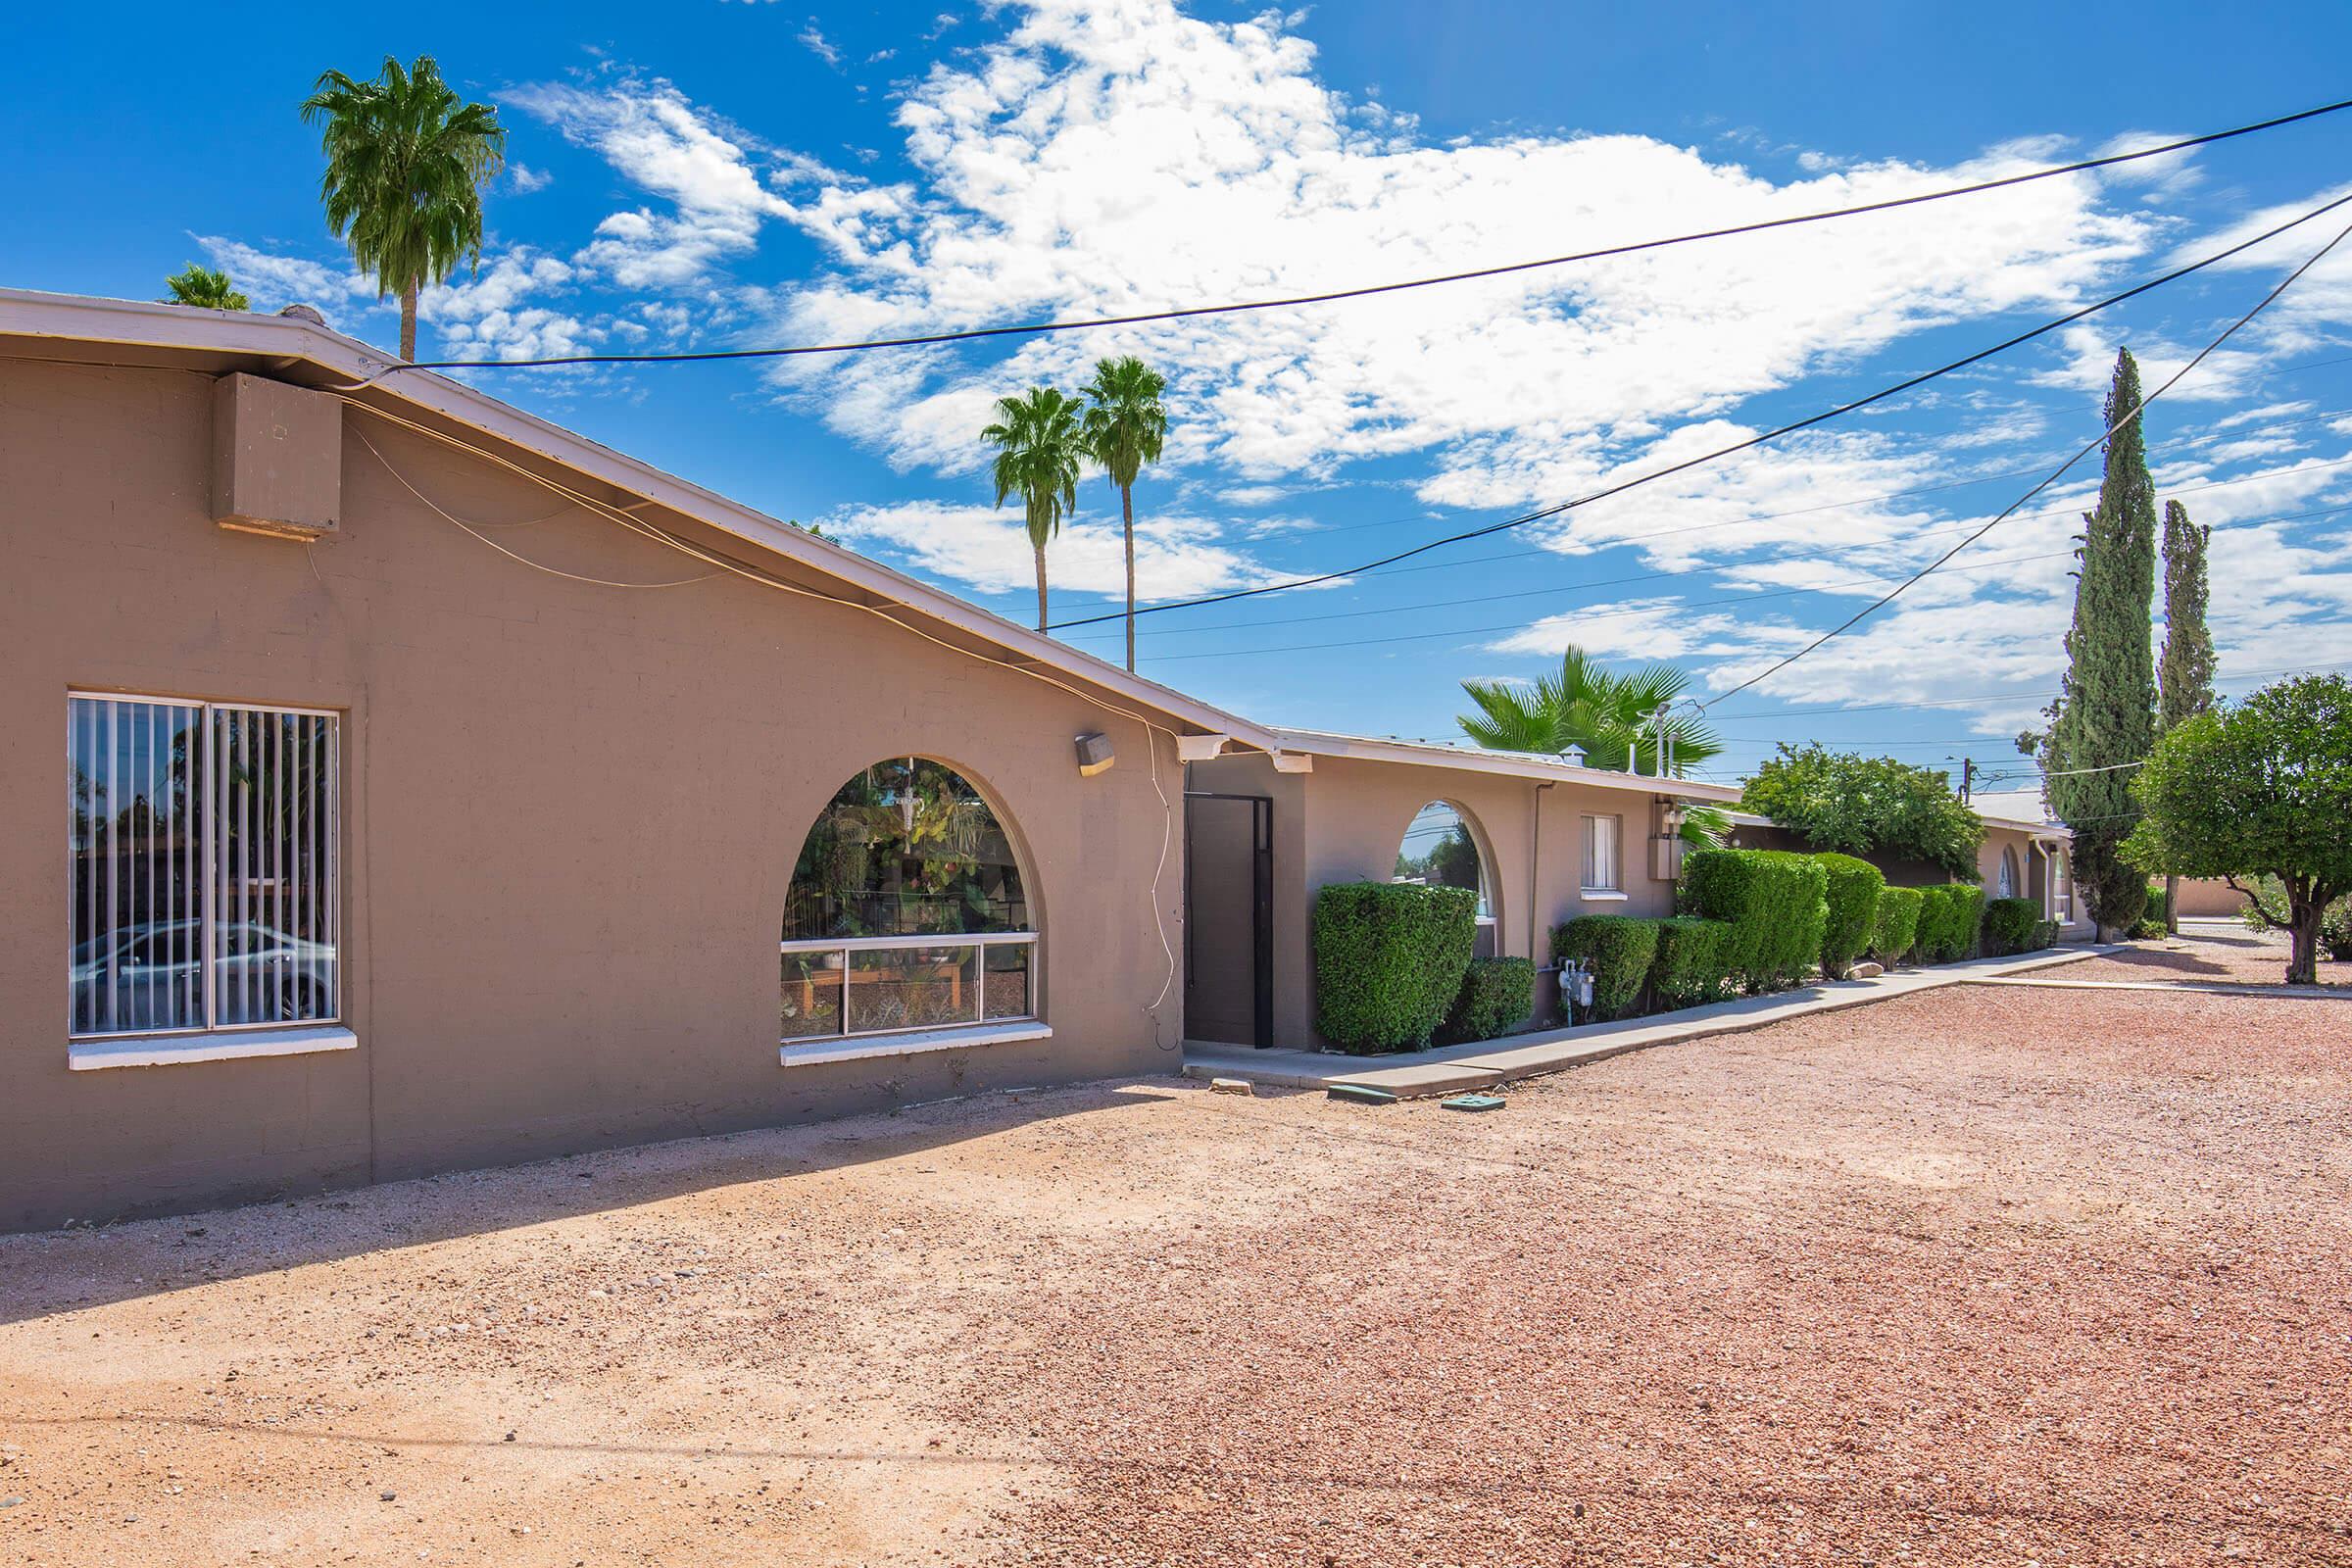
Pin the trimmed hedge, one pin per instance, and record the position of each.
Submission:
(1852, 891)
(2011, 925)
(1497, 995)
(1619, 950)
(1389, 961)
(1690, 969)
(1777, 902)
(2046, 934)
(1948, 918)
(1897, 923)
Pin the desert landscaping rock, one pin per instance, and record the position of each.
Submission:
(1982, 1275)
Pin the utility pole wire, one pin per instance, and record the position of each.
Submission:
(1773, 434)
(2059, 473)
(1141, 318)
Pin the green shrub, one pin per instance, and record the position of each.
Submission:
(1898, 930)
(1777, 902)
(2157, 912)
(1497, 995)
(2046, 934)
(1389, 960)
(2012, 925)
(1947, 921)
(2336, 930)
(1619, 950)
(1690, 969)
(1853, 892)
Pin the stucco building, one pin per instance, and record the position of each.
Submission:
(443, 789)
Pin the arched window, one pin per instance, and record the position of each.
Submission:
(1439, 849)
(906, 910)
(2009, 881)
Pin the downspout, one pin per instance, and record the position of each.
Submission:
(1534, 875)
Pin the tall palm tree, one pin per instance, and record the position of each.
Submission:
(406, 163)
(205, 287)
(1608, 716)
(1125, 428)
(1040, 443)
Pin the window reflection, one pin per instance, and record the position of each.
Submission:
(906, 847)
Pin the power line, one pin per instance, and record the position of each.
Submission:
(1986, 476)
(1036, 328)
(1527, 625)
(1687, 463)
(2228, 333)
(1725, 568)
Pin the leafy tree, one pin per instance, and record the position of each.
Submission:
(1453, 861)
(2105, 717)
(2185, 672)
(1039, 444)
(1124, 428)
(2259, 789)
(406, 164)
(205, 287)
(1864, 806)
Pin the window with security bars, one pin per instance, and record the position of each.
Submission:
(204, 842)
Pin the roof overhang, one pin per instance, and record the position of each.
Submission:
(1515, 764)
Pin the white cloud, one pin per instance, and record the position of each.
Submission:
(2164, 175)
(988, 549)
(1116, 157)
(812, 39)
(722, 184)
(525, 179)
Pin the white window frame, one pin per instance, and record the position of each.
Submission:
(845, 1043)
(212, 1039)
(1615, 884)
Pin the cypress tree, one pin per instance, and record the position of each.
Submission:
(2106, 709)
(2185, 674)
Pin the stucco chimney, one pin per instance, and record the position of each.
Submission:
(277, 457)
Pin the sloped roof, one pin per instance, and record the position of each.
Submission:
(82, 329)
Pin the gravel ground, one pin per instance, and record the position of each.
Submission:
(1982, 1275)
(2210, 952)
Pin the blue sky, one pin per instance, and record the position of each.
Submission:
(716, 175)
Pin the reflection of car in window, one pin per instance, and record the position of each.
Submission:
(151, 976)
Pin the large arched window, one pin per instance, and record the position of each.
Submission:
(906, 910)
(1441, 850)
(2010, 885)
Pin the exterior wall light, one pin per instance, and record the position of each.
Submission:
(1095, 754)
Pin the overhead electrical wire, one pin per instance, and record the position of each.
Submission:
(1187, 312)
(2059, 473)
(1654, 475)
(1726, 569)
(1967, 481)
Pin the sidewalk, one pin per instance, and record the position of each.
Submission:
(1454, 1069)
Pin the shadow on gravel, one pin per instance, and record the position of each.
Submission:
(44, 1272)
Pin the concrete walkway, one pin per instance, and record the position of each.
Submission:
(2203, 987)
(1453, 1069)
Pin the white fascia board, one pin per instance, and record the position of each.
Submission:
(78, 318)
(1519, 765)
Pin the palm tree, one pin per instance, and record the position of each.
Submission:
(406, 163)
(1038, 445)
(1125, 426)
(205, 287)
(1609, 717)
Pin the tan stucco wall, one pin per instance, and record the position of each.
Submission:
(2210, 898)
(571, 813)
(1343, 821)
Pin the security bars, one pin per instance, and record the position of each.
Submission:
(205, 851)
